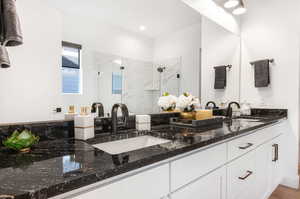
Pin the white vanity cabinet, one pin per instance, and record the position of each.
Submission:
(241, 175)
(257, 173)
(193, 166)
(275, 161)
(262, 170)
(211, 186)
(150, 184)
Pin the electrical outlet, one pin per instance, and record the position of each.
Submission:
(57, 110)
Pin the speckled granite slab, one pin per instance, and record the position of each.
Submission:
(54, 167)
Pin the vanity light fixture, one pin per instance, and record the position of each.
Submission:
(231, 3)
(238, 5)
(143, 28)
(240, 9)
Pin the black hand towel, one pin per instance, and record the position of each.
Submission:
(4, 58)
(11, 23)
(220, 77)
(2, 30)
(262, 73)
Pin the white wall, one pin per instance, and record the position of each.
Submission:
(30, 89)
(219, 47)
(270, 29)
(185, 43)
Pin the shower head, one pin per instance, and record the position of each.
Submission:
(161, 69)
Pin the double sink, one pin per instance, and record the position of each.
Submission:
(140, 142)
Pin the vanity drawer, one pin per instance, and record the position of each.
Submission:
(241, 176)
(193, 166)
(241, 146)
(149, 184)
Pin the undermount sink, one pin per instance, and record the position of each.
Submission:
(130, 144)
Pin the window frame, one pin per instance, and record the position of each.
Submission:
(79, 47)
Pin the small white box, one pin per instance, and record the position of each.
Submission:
(70, 116)
(84, 133)
(143, 127)
(84, 121)
(142, 119)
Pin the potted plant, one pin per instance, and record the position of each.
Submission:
(21, 141)
(167, 102)
(188, 103)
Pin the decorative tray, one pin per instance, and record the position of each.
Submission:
(215, 122)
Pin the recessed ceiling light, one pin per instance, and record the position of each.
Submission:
(231, 3)
(143, 28)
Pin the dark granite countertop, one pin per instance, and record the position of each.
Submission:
(59, 166)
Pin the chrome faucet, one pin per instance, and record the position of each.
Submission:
(229, 109)
(114, 117)
(99, 106)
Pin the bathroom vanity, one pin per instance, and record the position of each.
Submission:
(245, 166)
(84, 61)
(240, 160)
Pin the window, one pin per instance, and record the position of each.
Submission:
(116, 83)
(71, 69)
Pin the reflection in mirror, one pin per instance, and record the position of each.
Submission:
(219, 48)
(101, 51)
(134, 67)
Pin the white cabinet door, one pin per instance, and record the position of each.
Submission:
(241, 177)
(212, 186)
(275, 162)
(150, 184)
(262, 171)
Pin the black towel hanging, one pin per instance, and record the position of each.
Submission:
(221, 77)
(262, 72)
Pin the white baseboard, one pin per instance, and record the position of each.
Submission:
(291, 182)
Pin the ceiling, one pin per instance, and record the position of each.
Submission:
(159, 16)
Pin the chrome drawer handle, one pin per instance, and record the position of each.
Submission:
(249, 173)
(276, 148)
(246, 147)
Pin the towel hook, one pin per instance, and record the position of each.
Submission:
(270, 61)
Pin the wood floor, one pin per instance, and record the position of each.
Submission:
(286, 193)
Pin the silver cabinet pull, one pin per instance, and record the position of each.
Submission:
(276, 150)
(246, 147)
(249, 173)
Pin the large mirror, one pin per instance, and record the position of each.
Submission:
(130, 52)
(219, 48)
